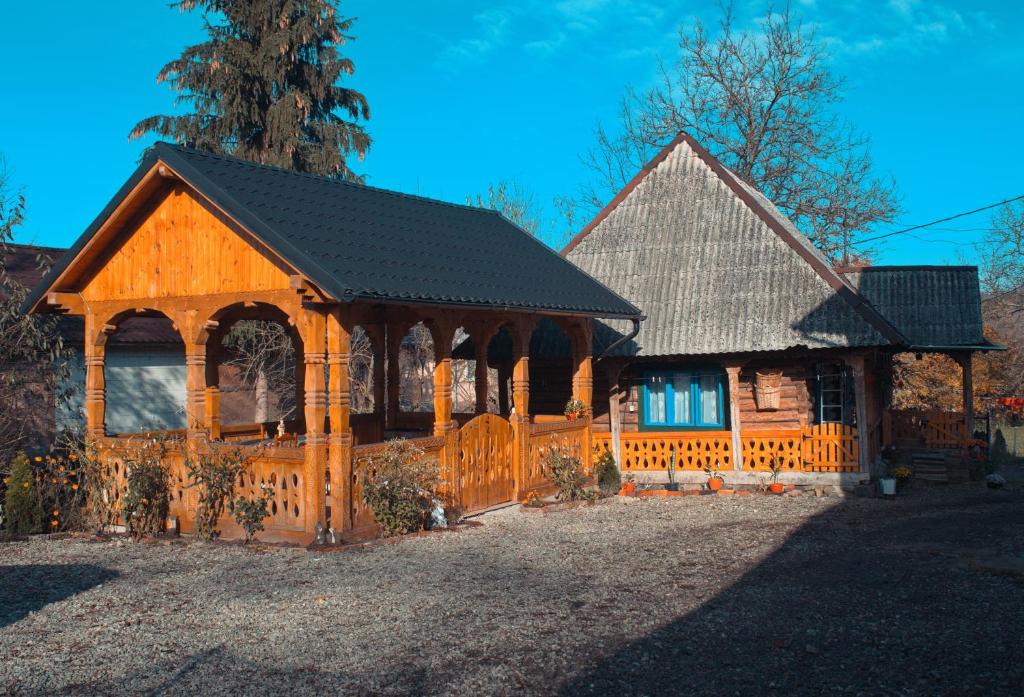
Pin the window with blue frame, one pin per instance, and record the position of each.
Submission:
(684, 399)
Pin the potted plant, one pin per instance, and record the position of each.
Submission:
(902, 475)
(672, 485)
(775, 486)
(574, 409)
(628, 484)
(887, 485)
(715, 479)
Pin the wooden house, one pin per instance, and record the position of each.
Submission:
(204, 241)
(754, 348)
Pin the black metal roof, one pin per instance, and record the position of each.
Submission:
(359, 242)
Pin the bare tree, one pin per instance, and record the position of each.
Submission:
(513, 201)
(762, 101)
(263, 353)
(1001, 255)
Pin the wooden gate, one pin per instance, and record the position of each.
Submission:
(486, 472)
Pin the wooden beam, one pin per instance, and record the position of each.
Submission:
(733, 373)
(856, 363)
(70, 303)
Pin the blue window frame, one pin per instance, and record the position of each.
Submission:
(684, 399)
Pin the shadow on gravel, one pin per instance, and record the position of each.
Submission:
(923, 600)
(27, 588)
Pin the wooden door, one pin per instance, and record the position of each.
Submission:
(485, 463)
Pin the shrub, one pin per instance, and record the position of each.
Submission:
(399, 485)
(147, 485)
(22, 513)
(609, 479)
(250, 513)
(566, 473)
(214, 473)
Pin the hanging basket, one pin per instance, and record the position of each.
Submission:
(768, 389)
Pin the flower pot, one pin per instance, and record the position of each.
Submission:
(672, 486)
(572, 416)
(715, 483)
(775, 487)
(887, 486)
(628, 489)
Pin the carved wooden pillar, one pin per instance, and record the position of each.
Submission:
(504, 376)
(733, 374)
(95, 381)
(482, 335)
(395, 334)
(967, 365)
(194, 336)
(856, 363)
(213, 357)
(313, 329)
(582, 361)
(339, 338)
(520, 417)
(377, 338)
(442, 332)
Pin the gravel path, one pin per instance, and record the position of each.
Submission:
(698, 595)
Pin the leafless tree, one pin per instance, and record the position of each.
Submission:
(264, 356)
(416, 370)
(514, 202)
(762, 101)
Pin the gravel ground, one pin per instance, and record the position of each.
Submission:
(698, 595)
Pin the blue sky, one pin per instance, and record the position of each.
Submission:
(467, 93)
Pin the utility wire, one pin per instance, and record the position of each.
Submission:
(936, 222)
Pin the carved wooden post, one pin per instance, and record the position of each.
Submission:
(504, 375)
(195, 375)
(482, 335)
(213, 393)
(856, 364)
(583, 383)
(967, 365)
(312, 323)
(733, 374)
(442, 334)
(395, 334)
(520, 417)
(615, 410)
(95, 382)
(340, 444)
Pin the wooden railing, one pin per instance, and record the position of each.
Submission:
(279, 469)
(821, 448)
(568, 437)
(937, 429)
(367, 428)
(694, 450)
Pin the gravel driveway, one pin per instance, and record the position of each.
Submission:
(699, 595)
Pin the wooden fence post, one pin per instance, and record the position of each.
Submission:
(856, 363)
(339, 452)
(733, 374)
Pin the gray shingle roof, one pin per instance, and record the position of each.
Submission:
(361, 242)
(930, 305)
(716, 268)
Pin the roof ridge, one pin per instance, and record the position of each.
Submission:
(318, 177)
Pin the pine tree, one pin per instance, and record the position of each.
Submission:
(265, 87)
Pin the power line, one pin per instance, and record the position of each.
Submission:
(936, 222)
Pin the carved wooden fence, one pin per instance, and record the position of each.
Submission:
(937, 429)
(820, 448)
(647, 451)
(568, 437)
(280, 470)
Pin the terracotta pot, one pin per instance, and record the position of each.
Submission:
(572, 416)
(715, 483)
(628, 489)
(775, 488)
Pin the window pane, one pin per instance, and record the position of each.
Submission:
(656, 400)
(681, 398)
(709, 399)
(832, 415)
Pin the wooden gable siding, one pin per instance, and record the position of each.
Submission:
(181, 247)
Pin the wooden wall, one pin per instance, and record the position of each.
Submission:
(796, 409)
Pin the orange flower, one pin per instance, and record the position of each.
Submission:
(38, 459)
(64, 481)
(56, 513)
(54, 523)
(74, 487)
